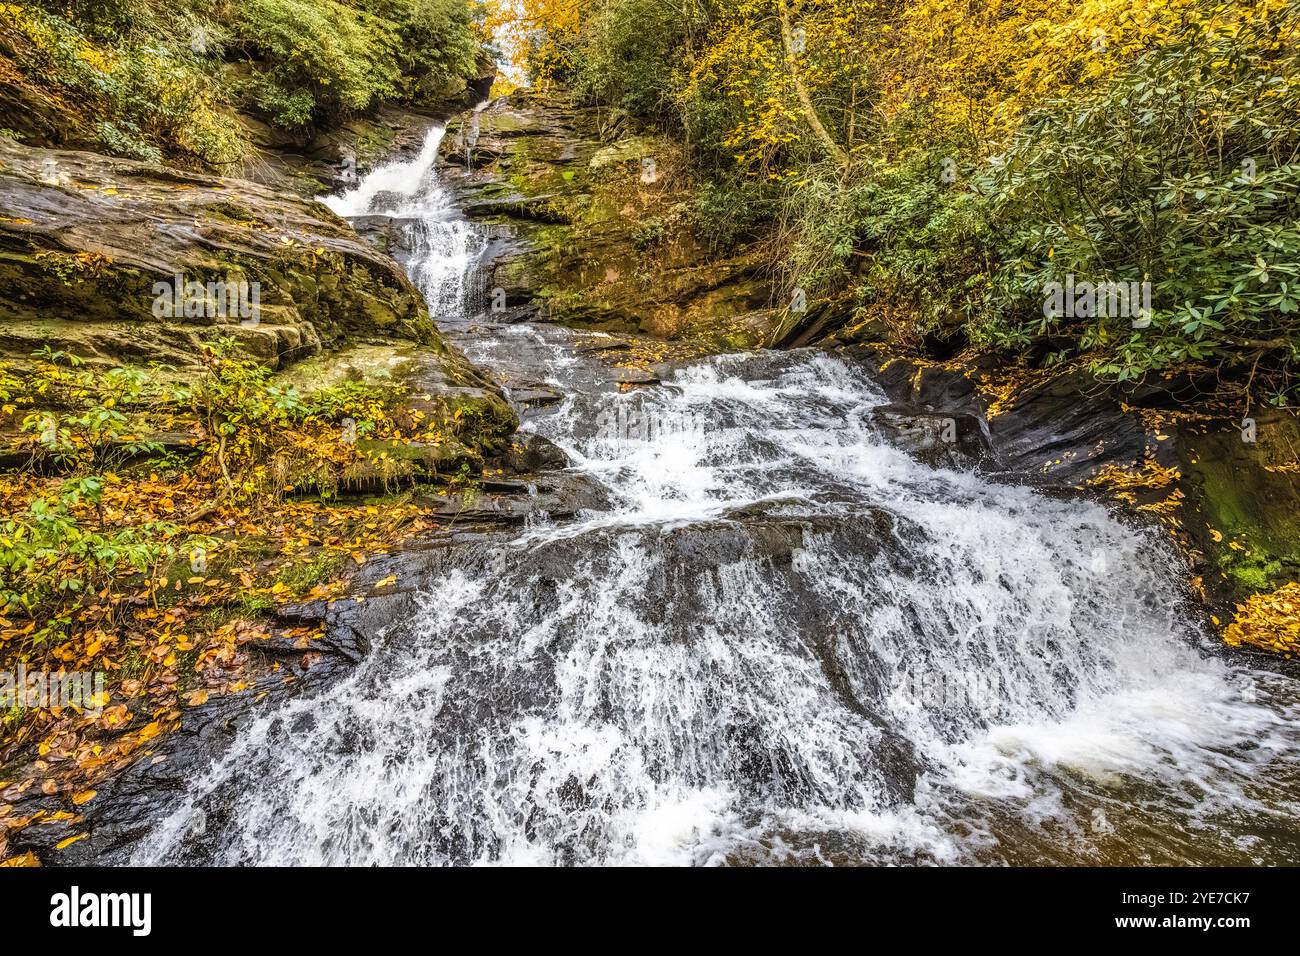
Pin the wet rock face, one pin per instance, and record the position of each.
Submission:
(1057, 433)
(1245, 475)
(940, 439)
(91, 248)
(595, 226)
(1229, 484)
(134, 801)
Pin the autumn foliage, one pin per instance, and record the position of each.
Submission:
(926, 170)
(152, 524)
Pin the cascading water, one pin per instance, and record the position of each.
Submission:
(442, 245)
(785, 641)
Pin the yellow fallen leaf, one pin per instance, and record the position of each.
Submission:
(196, 698)
(84, 797)
(64, 844)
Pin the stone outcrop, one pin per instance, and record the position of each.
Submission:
(126, 263)
(91, 248)
(592, 226)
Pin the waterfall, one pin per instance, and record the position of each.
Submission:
(785, 641)
(442, 245)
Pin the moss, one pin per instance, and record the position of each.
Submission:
(305, 575)
(374, 142)
(185, 661)
(1250, 504)
(1250, 574)
(247, 606)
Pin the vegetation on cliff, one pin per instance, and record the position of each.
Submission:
(943, 164)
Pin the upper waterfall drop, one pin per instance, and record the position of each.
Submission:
(440, 246)
(398, 188)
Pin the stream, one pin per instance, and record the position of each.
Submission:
(785, 641)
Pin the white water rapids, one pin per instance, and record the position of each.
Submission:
(786, 641)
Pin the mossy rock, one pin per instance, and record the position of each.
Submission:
(86, 241)
(1249, 500)
(603, 245)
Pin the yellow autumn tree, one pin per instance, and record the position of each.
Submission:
(980, 66)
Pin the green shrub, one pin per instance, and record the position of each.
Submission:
(436, 43)
(150, 91)
(343, 57)
(628, 58)
(323, 59)
(55, 555)
(143, 98)
(727, 211)
(1182, 172)
(929, 242)
(286, 108)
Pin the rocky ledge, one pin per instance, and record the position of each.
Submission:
(120, 262)
(92, 247)
(591, 225)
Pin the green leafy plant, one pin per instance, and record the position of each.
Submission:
(1183, 171)
(61, 551)
(83, 419)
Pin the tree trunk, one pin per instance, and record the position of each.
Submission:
(805, 101)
